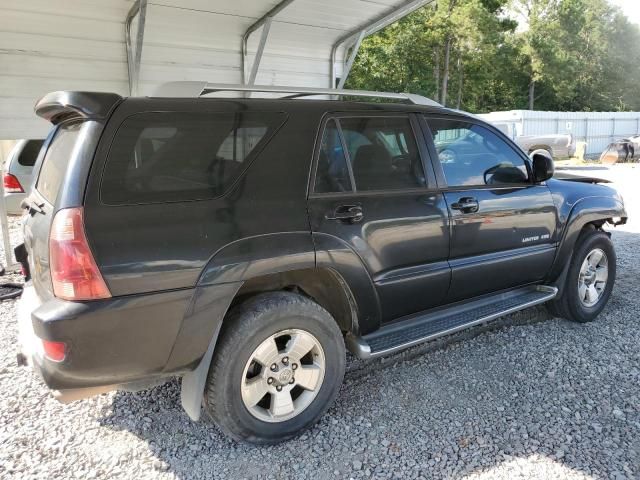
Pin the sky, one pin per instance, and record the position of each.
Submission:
(631, 8)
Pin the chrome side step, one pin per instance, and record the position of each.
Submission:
(423, 327)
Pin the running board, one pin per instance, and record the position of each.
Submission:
(423, 327)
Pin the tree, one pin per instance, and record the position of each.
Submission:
(433, 47)
(482, 55)
(538, 44)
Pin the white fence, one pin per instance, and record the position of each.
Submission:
(598, 129)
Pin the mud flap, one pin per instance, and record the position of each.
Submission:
(210, 304)
(193, 383)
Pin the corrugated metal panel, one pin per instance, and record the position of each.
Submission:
(598, 129)
(47, 45)
(50, 45)
(198, 39)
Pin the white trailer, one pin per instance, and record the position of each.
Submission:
(597, 129)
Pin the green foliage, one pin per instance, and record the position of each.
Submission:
(483, 55)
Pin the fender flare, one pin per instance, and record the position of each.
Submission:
(584, 211)
(337, 255)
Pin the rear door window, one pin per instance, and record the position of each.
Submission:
(333, 173)
(174, 156)
(56, 160)
(383, 153)
(368, 154)
(29, 154)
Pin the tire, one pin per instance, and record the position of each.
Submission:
(570, 305)
(263, 320)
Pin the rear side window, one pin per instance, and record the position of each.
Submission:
(56, 160)
(29, 154)
(169, 156)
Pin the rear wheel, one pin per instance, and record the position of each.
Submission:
(278, 366)
(590, 279)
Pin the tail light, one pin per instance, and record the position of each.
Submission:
(12, 184)
(55, 351)
(74, 273)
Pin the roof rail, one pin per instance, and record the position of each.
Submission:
(197, 89)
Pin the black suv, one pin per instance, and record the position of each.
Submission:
(240, 243)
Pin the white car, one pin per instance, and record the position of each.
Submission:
(18, 173)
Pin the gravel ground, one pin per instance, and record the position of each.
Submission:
(526, 397)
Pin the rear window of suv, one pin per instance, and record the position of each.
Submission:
(56, 160)
(175, 156)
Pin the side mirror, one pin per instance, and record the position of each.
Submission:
(543, 168)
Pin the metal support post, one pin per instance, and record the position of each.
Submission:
(134, 52)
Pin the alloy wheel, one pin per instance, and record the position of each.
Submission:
(593, 277)
(283, 375)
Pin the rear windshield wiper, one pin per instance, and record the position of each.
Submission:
(29, 204)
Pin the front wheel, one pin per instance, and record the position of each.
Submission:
(589, 281)
(278, 366)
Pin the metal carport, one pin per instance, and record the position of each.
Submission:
(130, 47)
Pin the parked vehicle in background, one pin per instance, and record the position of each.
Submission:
(634, 143)
(18, 173)
(557, 145)
(622, 151)
(243, 243)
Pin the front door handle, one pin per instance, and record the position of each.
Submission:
(466, 205)
(347, 214)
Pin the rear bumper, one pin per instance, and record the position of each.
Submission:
(29, 348)
(110, 343)
(30, 352)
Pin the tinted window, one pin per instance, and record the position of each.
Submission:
(158, 157)
(56, 160)
(473, 155)
(30, 152)
(383, 153)
(332, 174)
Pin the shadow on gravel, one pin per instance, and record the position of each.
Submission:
(524, 395)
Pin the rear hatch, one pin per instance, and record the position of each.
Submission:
(63, 169)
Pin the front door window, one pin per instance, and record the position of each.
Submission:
(472, 155)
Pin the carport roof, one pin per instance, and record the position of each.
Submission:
(80, 45)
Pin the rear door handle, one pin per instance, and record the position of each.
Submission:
(466, 205)
(346, 213)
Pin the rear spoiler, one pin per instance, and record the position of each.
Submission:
(59, 106)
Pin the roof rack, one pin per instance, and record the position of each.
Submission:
(197, 89)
